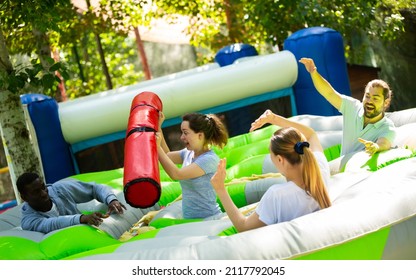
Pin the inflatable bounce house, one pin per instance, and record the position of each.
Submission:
(373, 212)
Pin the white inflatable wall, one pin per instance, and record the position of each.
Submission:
(195, 90)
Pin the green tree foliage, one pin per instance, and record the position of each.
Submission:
(70, 31)
(20, 20)
(21, 17)
(22, 23)
(87, 78)
(111, 20)
(213, 24)
(263, 23)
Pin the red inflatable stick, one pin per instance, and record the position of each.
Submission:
(141, 167)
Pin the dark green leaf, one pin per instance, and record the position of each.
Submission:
(55, 67)
(48, 80)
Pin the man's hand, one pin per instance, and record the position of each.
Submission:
(94, 219)
(309, 64)
(370, 147)
(115, 206)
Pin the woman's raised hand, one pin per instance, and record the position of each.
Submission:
(266, 117)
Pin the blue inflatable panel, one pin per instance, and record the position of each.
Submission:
(227, 55)
(325, 46)
(55, 154)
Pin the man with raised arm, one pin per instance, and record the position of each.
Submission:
(364, 123)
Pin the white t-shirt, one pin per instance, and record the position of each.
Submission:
(287, 201)
(53, 212)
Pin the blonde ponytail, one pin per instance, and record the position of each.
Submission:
(312, 177)
(291, 144)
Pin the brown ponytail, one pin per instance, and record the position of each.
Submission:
(213, 128)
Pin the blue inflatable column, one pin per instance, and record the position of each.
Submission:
(239, 120)
(325, 46)
(55, 154)
(227, 55)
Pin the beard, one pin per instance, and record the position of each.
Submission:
(373, 112)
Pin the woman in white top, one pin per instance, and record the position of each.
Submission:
(297, 153)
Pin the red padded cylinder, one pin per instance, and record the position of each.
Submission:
(141, 167)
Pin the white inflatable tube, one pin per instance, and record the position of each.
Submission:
(158, 80)
(103, 114)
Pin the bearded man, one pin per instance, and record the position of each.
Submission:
(365, 125)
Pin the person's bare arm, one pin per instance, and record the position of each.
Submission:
(191, 171)
(269, 117)
(322, 85)
(382, 144)
(240, 222)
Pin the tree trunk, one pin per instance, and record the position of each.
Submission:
(43, 49)
(102, 56)
(103, 63)
(19, 151)
(61, 91)
(81, 71)
(142, 54)
(45, 53)
(230, 19)
(20, 154)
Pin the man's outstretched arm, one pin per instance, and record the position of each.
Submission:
(322, 85)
